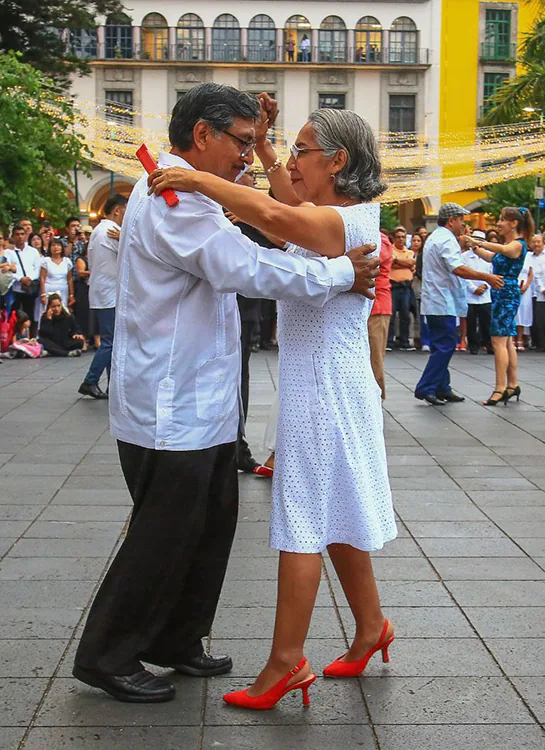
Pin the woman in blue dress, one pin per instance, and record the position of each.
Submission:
(516, 227)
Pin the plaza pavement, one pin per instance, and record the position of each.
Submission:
(464, 583)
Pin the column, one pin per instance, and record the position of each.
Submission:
(280, 52)
(208, 44)
(244, 43)
(172, 43)
(315, 55)
(136, 42)
(351, 45)
(101, 42)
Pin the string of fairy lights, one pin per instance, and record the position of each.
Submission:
(414, 166)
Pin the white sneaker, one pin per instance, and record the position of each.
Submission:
(425, 348)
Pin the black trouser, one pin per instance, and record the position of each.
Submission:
(26, 303)
(247, 330)
(478, 326)
(401, 303)
(538, 327)
(160, 594)
(60, 350)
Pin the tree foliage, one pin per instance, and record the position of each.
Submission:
(511, 193)
(389, 216)
(526, 89)
(38, 143)
(34, 28)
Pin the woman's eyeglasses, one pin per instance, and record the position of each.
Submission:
(296, 151)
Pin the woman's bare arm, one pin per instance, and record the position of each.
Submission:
(81, 268)
(318, 228)
(43, 277)
(279, 178)
(511, 250)
(484, 254)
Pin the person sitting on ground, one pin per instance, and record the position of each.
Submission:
(59, 332)
(22, 345)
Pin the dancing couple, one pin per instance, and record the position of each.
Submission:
(174, 402)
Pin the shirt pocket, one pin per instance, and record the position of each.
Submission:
(217, 385)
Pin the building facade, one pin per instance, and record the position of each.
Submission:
(479, 45)
(424, 66)
(379, 58)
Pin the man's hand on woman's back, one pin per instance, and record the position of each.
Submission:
(365, 270)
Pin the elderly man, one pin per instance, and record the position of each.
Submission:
(175, 405)
(444, 299)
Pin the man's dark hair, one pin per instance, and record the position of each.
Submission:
(442, 222)
(18, 227)
(115, 200)
(70, 219)
(215, 104)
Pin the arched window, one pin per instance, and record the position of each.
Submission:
(155, 37)
(298, 39)
(119, 36)
(332, 40)
(190, 38)
(83, 43)
(226, 39)
(403, 41)
(261, 39)
(368, 40)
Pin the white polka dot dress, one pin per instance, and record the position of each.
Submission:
(331, 482)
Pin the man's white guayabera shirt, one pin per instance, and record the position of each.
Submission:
(176, 357)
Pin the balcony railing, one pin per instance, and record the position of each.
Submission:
(265, 54)
(498, 52)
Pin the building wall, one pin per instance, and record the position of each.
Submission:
(462, 71)
(156, 85)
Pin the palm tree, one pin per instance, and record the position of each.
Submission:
(528, 88)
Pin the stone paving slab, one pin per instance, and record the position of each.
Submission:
(464, 582)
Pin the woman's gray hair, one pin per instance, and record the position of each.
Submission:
(338, 129)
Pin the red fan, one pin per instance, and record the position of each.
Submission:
(149, 164)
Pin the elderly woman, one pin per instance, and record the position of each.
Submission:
(330, 487)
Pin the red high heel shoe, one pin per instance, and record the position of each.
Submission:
(354, 668)
(267, 700)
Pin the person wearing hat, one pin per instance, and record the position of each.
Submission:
(479, 305)
(444, 299)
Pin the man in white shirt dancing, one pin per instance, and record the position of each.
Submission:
(175, 404)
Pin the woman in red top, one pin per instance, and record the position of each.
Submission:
(379, 320)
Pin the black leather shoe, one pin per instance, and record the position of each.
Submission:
(451, 397)
(140, 687)
(205, 665)
(430, 399)
(92, 389)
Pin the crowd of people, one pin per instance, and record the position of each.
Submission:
(405, 277)
(488, 286)
(175, 408)
(39, 289)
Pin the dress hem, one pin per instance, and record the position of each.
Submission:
(334, 541)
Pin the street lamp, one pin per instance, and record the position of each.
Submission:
(539, 190)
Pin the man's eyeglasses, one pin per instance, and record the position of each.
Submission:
(247, 146)
(295, 151)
